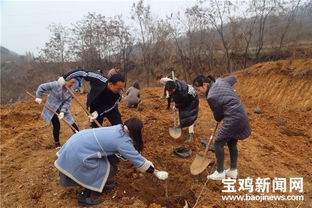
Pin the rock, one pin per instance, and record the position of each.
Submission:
(258, 110)
(281, 121)
(134, 175)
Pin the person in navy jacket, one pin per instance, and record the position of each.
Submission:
(227, 107)
(104, 96)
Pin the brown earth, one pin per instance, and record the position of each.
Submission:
(280, 146)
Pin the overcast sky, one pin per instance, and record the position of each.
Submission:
(24, 23)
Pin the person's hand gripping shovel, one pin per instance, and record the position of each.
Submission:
(200, 163)
(87, 112)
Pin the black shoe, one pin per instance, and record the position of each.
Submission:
(182, 152)
(57, 145)
(87, 201)
(109, 187)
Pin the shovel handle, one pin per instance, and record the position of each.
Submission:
(50, 109)
(75, 97)
(211, 137)
(175, 118)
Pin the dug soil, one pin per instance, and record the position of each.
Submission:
(280, 146)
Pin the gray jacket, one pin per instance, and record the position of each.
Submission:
(57, 99)
(227, 106)
(133, 96)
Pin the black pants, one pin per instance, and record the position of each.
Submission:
(113, 116)
(57, 126)
(219, 151)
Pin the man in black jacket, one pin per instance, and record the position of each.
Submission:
(103, 97)
(186, 102)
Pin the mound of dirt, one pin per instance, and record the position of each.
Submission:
(281, 89)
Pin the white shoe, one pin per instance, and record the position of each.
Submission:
(216, 176)
(231, 173)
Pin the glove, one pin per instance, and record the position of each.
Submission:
(175, 108)
(61, 81)
(61, 115)
(167, 94)
(38, 100)
(93, 116)
(162, 175)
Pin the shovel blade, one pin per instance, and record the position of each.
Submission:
(199, 164)
(175, 132)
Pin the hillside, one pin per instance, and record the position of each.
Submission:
(280, 146)
(8, 56)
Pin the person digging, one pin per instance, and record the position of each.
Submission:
(59, 100)
(226, 106)
(186, 103)
(87, 158)
(104, 96)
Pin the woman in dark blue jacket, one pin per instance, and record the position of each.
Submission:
(226, 106)
(186, 102)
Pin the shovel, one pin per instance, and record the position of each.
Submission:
(200, 163)
(174, 131)
(50, 109)
(87, 112)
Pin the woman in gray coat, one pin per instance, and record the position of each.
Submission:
(133, 96)
(226, 106)
(59, 99)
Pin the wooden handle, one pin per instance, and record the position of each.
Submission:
(50, 109)
(210, 139)
(88, 113)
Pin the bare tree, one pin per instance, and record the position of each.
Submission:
(55, 48)
(124, 42)
(90, 42)
(217, 13)
(179, 30)
(289, 13)
(248, 22)
(142, 15)
(262, 9)
(160, 46)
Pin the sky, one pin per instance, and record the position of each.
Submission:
(24, 24)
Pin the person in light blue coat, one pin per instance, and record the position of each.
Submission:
(87, 158)
(59, 100)
(227, 107)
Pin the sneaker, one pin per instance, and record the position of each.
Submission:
(190, 137)
(216, 176)
(231, 173)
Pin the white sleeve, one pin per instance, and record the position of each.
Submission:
(164, 80)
